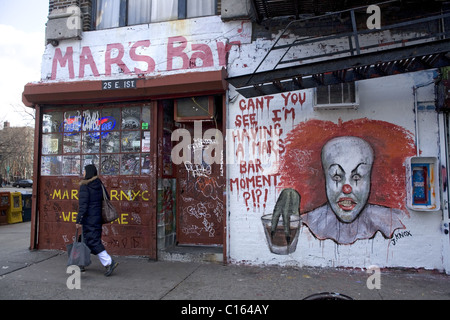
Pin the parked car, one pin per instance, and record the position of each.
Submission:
(23, 184)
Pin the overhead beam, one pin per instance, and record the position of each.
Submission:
(320, 67)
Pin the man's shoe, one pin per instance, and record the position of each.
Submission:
(110, 268)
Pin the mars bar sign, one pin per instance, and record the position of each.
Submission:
(146, 50)
(137, 58)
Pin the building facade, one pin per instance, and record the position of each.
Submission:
(16, 153)
(344, 168)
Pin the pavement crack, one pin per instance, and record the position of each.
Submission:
(179, 283)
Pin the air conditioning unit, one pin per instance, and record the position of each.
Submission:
(336, 96)
(194, 108)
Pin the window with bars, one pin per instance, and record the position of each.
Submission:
(119, 13)
(115, 139)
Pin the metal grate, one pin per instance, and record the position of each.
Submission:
(355, 59)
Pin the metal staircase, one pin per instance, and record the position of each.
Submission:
(342, 48)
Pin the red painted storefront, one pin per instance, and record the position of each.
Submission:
(126, 133)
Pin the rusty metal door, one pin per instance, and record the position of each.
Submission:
(200, 207)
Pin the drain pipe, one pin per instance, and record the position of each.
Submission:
(416, 117)
(416, 120)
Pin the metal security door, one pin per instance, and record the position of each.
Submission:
(200, 207)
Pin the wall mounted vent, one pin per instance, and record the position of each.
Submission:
(336, 96)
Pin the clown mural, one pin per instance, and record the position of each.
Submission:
(349, 177)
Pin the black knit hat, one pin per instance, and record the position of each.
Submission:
(91, 171)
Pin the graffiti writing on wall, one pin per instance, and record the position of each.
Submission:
(400, 235)
(115, 195)
(257, 148)
(72, 217)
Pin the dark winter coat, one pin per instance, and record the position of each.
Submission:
(90, 213)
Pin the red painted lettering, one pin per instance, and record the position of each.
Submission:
(223, 50)
(67, 59)
(242, 104)
(142, 58)
(251, 167)
(204, 54)
(109, 60)
(295, 98)
(177, 52)
(276, 117)
(251, 104)
(289, 111)
(86, 58)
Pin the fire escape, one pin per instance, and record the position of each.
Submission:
(347, 45)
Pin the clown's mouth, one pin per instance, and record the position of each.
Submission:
(346, 204)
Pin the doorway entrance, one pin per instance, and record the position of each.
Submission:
(191, 204)
(200, 209)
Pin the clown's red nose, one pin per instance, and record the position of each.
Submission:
(347, 188)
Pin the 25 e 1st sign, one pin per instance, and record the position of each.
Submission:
(119, 84)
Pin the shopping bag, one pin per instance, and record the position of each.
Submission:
(109, 213)
(78, 252)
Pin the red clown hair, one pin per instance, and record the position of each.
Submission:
(301, 164)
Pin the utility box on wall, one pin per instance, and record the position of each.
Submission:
(422, 184)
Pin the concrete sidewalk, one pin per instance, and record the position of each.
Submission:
(32, 275)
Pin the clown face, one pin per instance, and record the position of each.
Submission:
(347, 164)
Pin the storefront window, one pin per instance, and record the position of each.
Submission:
(115, 139)
(71, 165)
(111, 142)
(110, 165)
(130, 164)
(72, 122)
(91, 142)
(91, 120)
(51, 144)
(131, 118)
(72, 143)
(131, 141)
(145, 164)
(51, 166)
(90, 159)
(110, 120)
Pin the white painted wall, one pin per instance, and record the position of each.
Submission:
(202, 41)
(388, 99)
